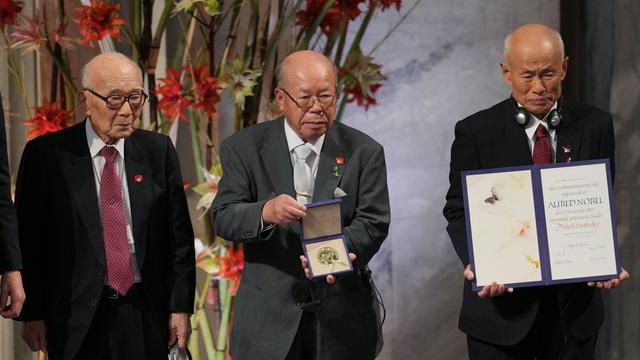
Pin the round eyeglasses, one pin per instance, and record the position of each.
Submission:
(306, 102)
(115, 102)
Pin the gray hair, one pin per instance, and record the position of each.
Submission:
(556, 36)
(85, 77)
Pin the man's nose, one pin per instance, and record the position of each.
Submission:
(537, 86)
(125, 109)
(316, 107)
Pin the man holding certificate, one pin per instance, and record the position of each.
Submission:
(304, 166)
(535, 126)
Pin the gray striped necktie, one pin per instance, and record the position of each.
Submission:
(302, 175)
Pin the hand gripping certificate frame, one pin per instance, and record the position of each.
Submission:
(322, 240)
(541, 224)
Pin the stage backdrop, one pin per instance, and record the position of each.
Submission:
(442, 65)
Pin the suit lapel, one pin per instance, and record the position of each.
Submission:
(569, 134)
(77, 165)
(517, 145)
(329, 170)
(275, 155)
(139, 180)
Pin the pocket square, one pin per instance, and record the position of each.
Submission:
(339, 193)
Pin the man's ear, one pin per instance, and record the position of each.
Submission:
(279, 98)
(82, 100)
(565, 65)
(506, 73)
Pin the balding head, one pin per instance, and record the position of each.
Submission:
(534, 66)
(531, 37)
(300, 59)
(101, 67)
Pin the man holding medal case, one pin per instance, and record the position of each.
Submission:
(270, 171)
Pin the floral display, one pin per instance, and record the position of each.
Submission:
(50, 117)
(99, 20)
(220, 74)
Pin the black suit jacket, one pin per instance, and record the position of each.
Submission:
(9, 249)
(61, 233)
(491, 139)
(257, 167)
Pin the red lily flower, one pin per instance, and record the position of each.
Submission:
(339, 10)
(9, 10)
(361, 78)
(388, 3)
(99, 20)
(49, 118)
(173, 102)
(206, 88)
(231, 266)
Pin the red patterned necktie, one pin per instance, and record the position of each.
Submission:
(114, 225)
(542, 147)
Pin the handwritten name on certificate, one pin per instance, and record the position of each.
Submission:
(578, 221)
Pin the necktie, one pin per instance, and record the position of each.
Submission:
(542, 147)
(114, 225)
(302, 176)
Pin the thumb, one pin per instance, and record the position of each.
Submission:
(468, 274)
(172, 334)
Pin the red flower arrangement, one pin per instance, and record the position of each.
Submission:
(173, 101)
(361, 78)
(206, 88)
(339, 10)
(175, 98)
(231, 266)
(99, 20)
(49, 118)
(388, 3)
(9, 10)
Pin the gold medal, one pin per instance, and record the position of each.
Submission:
(327, 255)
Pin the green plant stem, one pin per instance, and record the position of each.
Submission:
(17, 74)
(279, 33)
(341, 43)
(195, 144)
(343, 103)
(355, 44)
(393, 29)
(304, 44)
(137, 25)
(225, 305)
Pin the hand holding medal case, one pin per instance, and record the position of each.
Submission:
(322, 240)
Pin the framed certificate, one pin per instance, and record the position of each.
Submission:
(541, 224)
(322, 240)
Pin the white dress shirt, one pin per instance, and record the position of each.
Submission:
(95, 145)
(294, 140)
(530, 130)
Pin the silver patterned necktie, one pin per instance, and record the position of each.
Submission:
(302, 175)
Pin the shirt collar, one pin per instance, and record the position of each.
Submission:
(294, 140)
(96, 144)
(533, 124)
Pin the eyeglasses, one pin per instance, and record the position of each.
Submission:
(306, 102)
(115, 102)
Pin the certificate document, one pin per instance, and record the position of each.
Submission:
(541, 224)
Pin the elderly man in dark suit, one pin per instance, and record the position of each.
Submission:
(555, 322)
(279, 313)
(10, 263)
(105, 234)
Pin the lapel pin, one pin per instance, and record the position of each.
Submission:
(138, 178)
(569, 159)
(566, 149)
(335, 171)
(339, 160)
